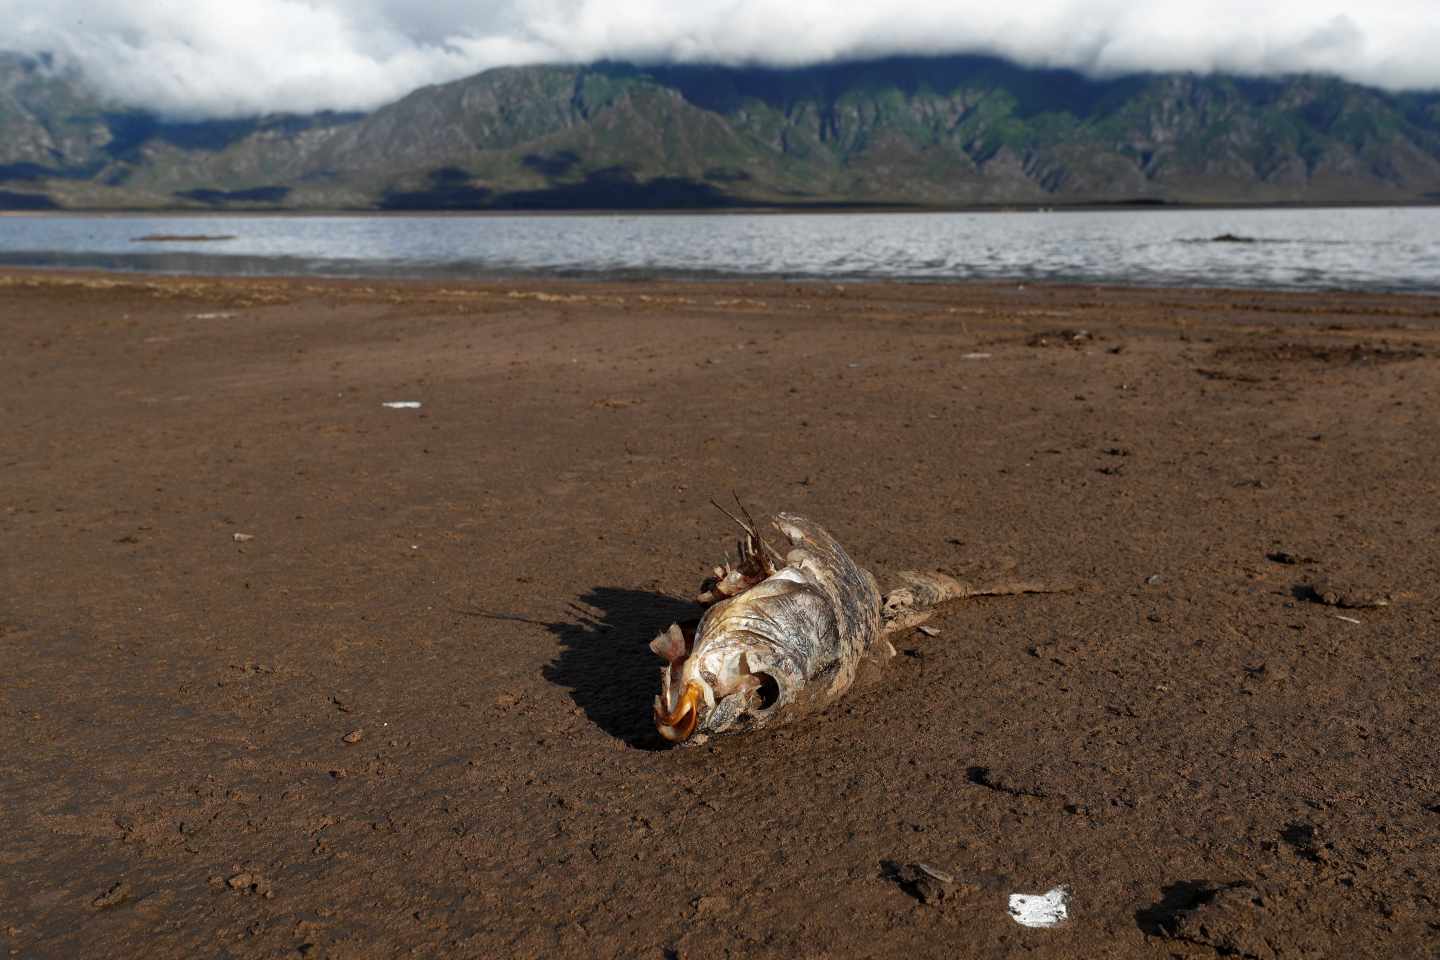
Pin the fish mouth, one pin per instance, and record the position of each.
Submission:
(678, 725)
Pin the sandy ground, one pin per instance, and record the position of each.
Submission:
(286, 672)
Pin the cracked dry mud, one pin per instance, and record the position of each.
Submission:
(1212, 762)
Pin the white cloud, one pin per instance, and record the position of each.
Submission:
(228, 57)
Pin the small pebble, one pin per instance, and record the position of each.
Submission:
(116, 895)
(920, 880)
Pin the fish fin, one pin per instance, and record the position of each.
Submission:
(675, 642)
(756, 563)
(754, 545)
(669, 644)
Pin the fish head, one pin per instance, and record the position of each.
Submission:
(725, 684)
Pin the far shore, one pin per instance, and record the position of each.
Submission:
(738, 210)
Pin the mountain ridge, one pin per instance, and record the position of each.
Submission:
(918, 132)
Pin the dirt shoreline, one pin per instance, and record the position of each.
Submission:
(287, 672)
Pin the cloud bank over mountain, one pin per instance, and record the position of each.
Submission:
(211, 58)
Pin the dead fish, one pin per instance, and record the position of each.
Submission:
(784, 636)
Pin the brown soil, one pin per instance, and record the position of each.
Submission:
(287, 672)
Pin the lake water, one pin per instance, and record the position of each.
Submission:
(1391, 249)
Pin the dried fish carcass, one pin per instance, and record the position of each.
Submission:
(784, 635)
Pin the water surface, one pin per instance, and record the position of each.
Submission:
(1389, 249)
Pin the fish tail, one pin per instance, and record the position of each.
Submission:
(915, 600)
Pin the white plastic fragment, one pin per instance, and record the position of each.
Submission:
(1340, 616)
(242, 537)
(1041, 909)
(976, 356)
(402, 404)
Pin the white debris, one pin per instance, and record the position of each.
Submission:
(212, 316)
(976, 356)
(1345, 618)
(1041, 909)
(402, 404)
(242, 537)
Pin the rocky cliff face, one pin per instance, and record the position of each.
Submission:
(943, 131)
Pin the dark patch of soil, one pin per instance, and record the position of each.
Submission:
(1327, 354)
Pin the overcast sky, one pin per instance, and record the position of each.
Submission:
(227, 57)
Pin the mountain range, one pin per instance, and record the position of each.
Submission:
(934, 132)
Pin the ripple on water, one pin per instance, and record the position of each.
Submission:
(1395, 249)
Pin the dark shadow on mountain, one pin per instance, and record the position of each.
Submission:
(130, 131)
(613, 188)
(605, 659)
(9, 200)
(24, 172)
(36, 172)
(728, 175)
(449, 188)
(133, 129)
(617, 188)
(555, 164)
(216, 198)
(725, 89)
(450, 176)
